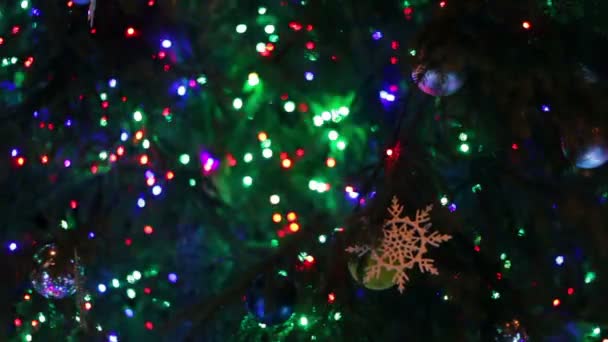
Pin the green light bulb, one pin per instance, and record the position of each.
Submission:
(464, 148)
(247, 181)
(333, 135)
(184, 159)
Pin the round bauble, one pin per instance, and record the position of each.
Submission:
(271, 298)
(358, 267)
(55, 272)
(511, 331)
(437, 83)
(586, 147)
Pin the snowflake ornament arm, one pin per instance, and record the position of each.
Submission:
(403, 246)
(359, 250)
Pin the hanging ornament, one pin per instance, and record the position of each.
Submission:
(435, 82)
(404, 245)
(357, 269)
(586, 147)
(271, 298)
(55, 273)
(511, 331)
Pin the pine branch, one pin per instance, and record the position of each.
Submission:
(204, 310)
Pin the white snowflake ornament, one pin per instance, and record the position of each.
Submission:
(403, 246)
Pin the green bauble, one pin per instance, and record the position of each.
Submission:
(357, 268)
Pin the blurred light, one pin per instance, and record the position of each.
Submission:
(166, 43)
(269, 29)
(332, 135)
(112, 83)
(464, 148)
(101, 288)
(267, 153)
(253, 79)
(322, 238)
(309, 76)
(181, 90)
(156, 190)
(526, 25)
(276, 218)
(129, 313)
(172, 277)
(377, 35)
(148, 230)
(237, 103)
(184, 159)
(12, 246)
(289, 106)
(141, 202)
(241, 28)
(275, 199)
(330, 162)
(247, 181)
(559, 260)
(556, 302)
(387, 96)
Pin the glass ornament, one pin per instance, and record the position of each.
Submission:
(586, 147)
(271, 298)
(437, 83)
(357, 268)
(55, 272)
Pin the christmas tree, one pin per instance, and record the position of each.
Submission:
(304, 170)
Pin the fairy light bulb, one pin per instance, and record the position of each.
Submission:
(333, 135)
(241, 28)
(267, 153)
(269, 29)
(137, 116)
(289, 106)
(275, 199)
(237, 103)
(247, 181)
(253, 79)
